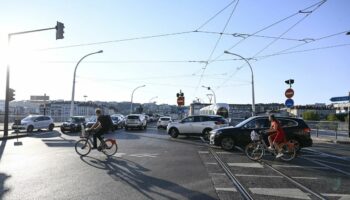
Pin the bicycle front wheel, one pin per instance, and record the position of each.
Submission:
(254, 151)
(289, 151)
(83, 147)
(110, 147)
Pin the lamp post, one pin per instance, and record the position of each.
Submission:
(251, 69)
(73, 89)
(132, 96)
(212, 92)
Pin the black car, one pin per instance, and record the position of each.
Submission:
(73, 124)
(295, 129)
(118, 122)
(91, 121)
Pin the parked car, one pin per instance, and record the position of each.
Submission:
(196, 125)
(295, 129)
(32, 122)
(118, 121)
(135, 121)
(73, 124)
(90, 121)
(163, 122)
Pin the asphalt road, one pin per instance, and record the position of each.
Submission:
(150, 165)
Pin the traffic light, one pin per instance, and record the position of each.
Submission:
(289, 82)
(59, 30)
(11, 94)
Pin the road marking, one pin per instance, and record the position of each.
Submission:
(119, 155)
(224, 152)
(329, 167)
(145, 155)
(328, 155)
(281, 192)
(248, 165)
(258, 176)
(340, 164)
(203, 152)
(218, 174)
(296, 166)
(302, 177)
(211, 163)
(342, 196)
(226, 189)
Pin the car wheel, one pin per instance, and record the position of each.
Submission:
(174, 132)
(206, 133)
(63, 131)
(296, 144)
(227, 143)
(51, 126)
(30, 128)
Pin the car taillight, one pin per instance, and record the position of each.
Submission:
(307, 130)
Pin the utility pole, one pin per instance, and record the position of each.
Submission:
(59, 35)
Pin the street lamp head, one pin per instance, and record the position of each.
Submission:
(348, 33)
(226, 52)
(100, 51)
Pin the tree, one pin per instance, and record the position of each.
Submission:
(332, 117)
(311, 115)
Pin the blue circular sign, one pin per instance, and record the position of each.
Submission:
(289, 103)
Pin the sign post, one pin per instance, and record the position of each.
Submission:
(289, 93)
(180, 101)
(344, 98)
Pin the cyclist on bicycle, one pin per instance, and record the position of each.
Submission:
(102, 126)
(276, 135)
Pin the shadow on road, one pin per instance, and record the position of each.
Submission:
(134, 175)
(3, 190)
(2, 147)
(48, 134)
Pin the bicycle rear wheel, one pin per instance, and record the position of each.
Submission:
(110, 147)
(83, 147)
(289, 151)
(254, 151)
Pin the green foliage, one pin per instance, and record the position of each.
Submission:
(332, 117)
(311, 115)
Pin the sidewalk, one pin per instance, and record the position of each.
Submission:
(330, 136)
(12, 135)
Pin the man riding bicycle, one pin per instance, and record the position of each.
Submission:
(276, 135)
(102, 126)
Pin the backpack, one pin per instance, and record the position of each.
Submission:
(106, 122)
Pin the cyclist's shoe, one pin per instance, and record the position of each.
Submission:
(99, 148)
(270, 148)
(279, 155)
(94, 148)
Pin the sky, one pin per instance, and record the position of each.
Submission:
(40, 64)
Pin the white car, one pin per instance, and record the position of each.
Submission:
(163, 122)
(135, 121)
(35, 122)
(196, 125)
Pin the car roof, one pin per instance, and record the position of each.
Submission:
(205, 116)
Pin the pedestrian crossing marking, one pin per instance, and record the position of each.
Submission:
(248, 165)
(293, 193)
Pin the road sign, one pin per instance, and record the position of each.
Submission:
(344, 98)
(181, 101)
(289, 103)
(289, 93)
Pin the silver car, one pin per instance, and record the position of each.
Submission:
(135, 121)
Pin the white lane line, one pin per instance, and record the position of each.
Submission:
(342, 196)
(328, 155)
(145, 155)
(296, 166)
(247, 165)
(211, 163)
(226, 189)
(258, 176)
(307, 178)
(217, 174)
(119, 155)
(203, 152)
(329, 167)
(224, 152)
(334, 163)
(281, 192)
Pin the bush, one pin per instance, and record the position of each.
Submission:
(332, 117)
(311, 115)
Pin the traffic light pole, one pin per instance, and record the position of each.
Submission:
(7, 97)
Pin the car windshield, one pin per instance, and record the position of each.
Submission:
(29, 118)
(115, 118)
(133, 117)
(243, 122)
(165, 119)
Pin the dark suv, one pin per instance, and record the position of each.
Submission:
(73, 124)
(295, 129)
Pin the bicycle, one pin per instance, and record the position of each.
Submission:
(83, 146)
(257, 148)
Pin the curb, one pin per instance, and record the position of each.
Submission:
(13, 137)
(331, 141)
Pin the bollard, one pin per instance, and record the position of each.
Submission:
(317, 132)
(336, 133)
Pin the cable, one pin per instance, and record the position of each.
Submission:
(120, 40)
(216, 44)
(205, 23)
